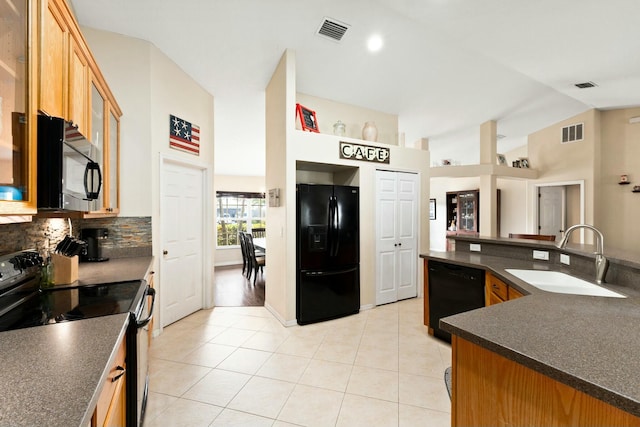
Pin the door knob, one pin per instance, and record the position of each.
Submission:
(165, 252)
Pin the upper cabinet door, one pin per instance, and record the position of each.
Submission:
(17, 108)
(97, 135)
(53, 60)
(113, 196)
(78, 86)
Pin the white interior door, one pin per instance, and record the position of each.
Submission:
(396, 236)
(551, 210)
(407, 235)
(182, 218)
(386, 241)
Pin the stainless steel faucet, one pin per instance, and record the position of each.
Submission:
(602, 264)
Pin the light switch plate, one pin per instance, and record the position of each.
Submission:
(565, 259)
(543, 255)
(474, 247)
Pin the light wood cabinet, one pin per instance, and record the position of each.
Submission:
(111, 409)
(54, 50)
(112, 201)
(491, 390)
(19, 65)
(73, 87)
(497, 291)
(78, 85)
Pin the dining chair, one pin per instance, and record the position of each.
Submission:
(243, 250)
(255, 262)
(258, 232)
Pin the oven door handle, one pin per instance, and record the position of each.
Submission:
(149, 292)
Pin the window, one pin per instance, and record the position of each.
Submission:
(236, 212)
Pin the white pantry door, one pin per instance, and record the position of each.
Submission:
(397, 199)
(182, 219)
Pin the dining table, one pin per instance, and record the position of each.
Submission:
(260, 243)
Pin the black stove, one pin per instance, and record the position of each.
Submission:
(24, 304)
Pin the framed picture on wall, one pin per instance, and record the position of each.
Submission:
(432, 209)
(308, 120)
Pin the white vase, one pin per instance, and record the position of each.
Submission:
(370, 132)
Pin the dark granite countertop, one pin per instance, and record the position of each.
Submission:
(114, 270)
(52, 375)
(589, 343)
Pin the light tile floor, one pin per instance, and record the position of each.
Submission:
(238, 366)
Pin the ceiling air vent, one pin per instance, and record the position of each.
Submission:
(585, 85)
(332, 29)
(572, 133)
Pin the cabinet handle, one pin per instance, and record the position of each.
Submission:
(495, 286)
(121, 372)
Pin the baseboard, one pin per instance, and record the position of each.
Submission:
(367, 307)
(286, 323)
(227, 264)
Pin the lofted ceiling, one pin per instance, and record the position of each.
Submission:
(446, 66)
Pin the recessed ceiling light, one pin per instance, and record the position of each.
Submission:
(375, 43)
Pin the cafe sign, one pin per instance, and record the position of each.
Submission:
(366, 153)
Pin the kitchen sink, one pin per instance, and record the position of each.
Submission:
(555, 281)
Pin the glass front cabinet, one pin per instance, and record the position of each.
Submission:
(18, 108)
(463, 212)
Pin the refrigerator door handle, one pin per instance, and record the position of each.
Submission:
(336, 227)
(329, 273)
(330, 231)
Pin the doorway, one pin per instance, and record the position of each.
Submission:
(182, 213)
(558, 206)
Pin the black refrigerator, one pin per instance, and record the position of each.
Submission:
(328, 252)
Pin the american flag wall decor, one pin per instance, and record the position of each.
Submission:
(183, 135)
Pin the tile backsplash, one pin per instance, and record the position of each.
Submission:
(128, 236)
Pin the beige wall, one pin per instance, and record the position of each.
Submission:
(619, 207)
(285, 147)
(232, 255)
(329, 112)
(280, 121)
(149, 87)
(577, 161)
(438, 189)
(610, 148)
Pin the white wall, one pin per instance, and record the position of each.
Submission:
(149, 87)
(253, 184)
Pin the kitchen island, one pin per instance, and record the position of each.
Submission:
(547, 358)
(54, 374)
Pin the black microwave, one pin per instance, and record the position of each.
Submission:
(69, 176)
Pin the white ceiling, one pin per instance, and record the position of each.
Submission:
(446, 65)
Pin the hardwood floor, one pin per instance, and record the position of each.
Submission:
(233, 289)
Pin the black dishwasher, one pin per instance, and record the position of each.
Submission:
(453, 289)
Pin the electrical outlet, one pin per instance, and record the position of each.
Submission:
(565, 259)
(474, 247)
(543, 255)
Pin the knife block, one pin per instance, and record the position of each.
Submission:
(65, 269)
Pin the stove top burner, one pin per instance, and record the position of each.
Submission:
(23, 304)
